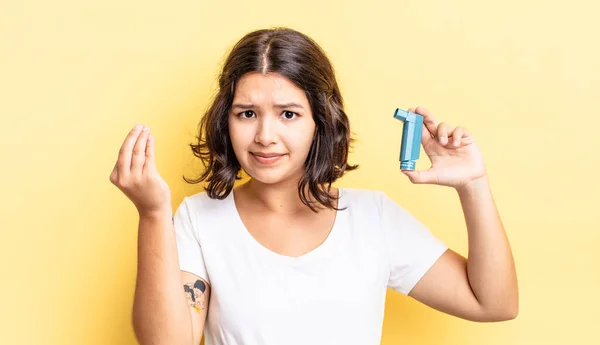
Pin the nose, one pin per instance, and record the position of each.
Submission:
(266, 133)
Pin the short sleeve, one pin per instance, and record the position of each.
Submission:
(188, 244)
(412, 248)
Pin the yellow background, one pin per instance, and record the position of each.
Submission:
(76, 76)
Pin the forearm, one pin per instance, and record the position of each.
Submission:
(490, 265)
(160, 312)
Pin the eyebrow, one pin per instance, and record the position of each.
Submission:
(284, 105)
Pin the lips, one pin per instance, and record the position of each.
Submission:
(266, 158)
(267, 155)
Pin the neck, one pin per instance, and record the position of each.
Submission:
(276, 198)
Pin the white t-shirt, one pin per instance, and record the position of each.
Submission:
(334, 294)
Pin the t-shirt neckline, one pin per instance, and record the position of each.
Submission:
(312, 255)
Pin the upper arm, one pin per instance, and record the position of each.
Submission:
(445, 287)
(197, 293)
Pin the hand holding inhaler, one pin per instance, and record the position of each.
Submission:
(454, 155)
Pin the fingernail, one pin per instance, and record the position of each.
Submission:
(145, 129)
(137, 127)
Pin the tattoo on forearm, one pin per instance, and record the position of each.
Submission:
(195, 295)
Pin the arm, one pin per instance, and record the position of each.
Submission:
(160, 312)
(197, 292)
(484, 287)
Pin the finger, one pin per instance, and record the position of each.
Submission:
(421, 176)
(467, 137)
(139, 153)
(457, 136)
(113, 175)
(428, 120)
(426, 136)
(150, 161)
(443, 131)
(124, 161)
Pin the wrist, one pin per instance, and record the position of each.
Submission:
(157, 214)
(477, 185)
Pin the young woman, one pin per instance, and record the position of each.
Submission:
(286, 258)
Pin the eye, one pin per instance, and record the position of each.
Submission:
(246, 114)
(289, 115)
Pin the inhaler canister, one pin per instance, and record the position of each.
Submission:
(410, 147)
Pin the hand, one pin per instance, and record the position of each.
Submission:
(135, 173)
(455, 159)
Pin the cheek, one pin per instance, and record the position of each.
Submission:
(237, 135)
(302, 141)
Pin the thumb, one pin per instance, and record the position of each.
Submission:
(421, 176)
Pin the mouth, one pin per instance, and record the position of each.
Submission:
(266, 158)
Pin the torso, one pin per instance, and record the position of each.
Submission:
(334, 294)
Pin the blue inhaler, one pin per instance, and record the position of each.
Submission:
(410, 148)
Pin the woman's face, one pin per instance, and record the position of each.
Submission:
(271, 127)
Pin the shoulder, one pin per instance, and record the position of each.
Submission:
(363, 202)
(202, 214)
(372, 201)
(201, 203)
(360, 196)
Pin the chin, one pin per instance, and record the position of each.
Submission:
(273, 176)
(270, 178)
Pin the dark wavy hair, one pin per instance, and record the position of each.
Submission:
(301, 60)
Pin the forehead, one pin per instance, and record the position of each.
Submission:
(258, 88)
